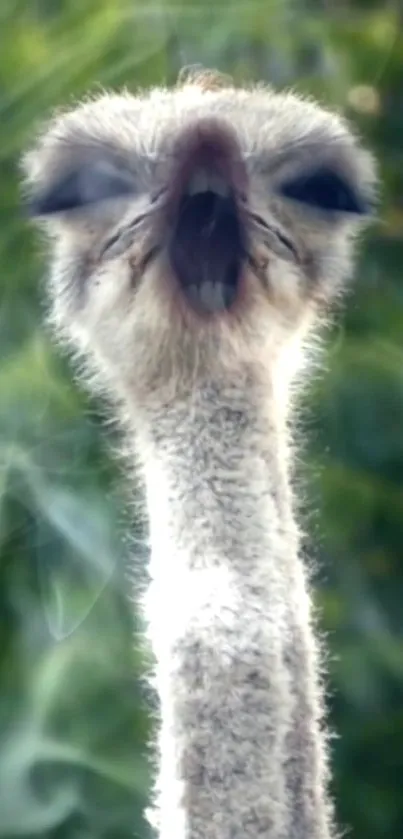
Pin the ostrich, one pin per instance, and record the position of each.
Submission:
(198, 236)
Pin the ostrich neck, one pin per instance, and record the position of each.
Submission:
(240, 748)
(217, 485)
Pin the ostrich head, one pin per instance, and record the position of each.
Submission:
(195, 229)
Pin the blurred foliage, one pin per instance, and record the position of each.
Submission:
(73, 714)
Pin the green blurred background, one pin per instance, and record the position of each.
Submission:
(73, 712)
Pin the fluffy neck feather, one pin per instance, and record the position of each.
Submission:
(240, 746)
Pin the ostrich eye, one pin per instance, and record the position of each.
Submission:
(87, 184)
(325, 190)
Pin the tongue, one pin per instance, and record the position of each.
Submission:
(206, 250)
